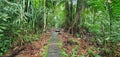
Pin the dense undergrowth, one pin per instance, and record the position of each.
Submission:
(17, 24)
(97, 23)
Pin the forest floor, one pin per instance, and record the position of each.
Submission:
(33, 49)
(70, 45)
(75, 47)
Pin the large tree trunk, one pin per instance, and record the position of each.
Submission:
(80, 6)
(69, 13)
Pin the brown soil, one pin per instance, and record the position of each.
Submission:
(67, 46)
(33, 49)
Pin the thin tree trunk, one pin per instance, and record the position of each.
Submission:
(67, 14)
(71, 13)
(44, 16)
(109, 12)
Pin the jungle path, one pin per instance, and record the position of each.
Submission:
(53, 48)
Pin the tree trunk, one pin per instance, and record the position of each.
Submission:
(67, 14)
(80, 6)
(109, 12)
(44, 16)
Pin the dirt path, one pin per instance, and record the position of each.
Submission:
(53, 49)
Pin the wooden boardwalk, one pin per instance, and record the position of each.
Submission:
(53, 48)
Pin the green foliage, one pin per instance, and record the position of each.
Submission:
(77, 35)
(102, 23)
(45, 51)
(22, 20)
(36, 3)
(83, 55)
(92, 53)
(5, 42)
(64, 54)
(74, 51)
(18, 23)
(60, 44)
(115, 21)
(56, 17)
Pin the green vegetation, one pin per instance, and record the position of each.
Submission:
(18, 23)
(64, 54)
(92, 53)
(45, 51)
(74, 51)
(21, 21)
(60, 43)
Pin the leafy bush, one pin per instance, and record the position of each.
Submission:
(5, 41)
(17, 23)
(102, 21)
